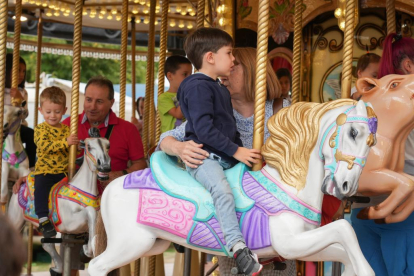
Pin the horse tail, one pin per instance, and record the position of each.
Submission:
(101, 240)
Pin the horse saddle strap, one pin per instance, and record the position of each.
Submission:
(109, 131)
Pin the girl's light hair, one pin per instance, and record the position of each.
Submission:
(246, 57)
(294, 132)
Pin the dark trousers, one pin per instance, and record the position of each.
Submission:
(27, 136)
(43, 184)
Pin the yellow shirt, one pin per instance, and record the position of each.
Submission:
(52, 149)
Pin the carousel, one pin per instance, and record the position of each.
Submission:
(323, 143)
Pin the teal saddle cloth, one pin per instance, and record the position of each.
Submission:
(177, 182)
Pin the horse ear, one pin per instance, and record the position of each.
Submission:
(361, 109)
(79, 161)
(82, 144)
(94, 132)
(366, 85)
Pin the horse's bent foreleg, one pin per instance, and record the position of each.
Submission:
(399, 185)
(57, 260)
(291, 240)
(91, 215)
(15, 213)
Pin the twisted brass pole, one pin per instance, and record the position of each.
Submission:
(3, 37)
(124, 46)
(76, 68)
(16, 47)
(38, 66)
(133, 50)
(348, 49)
(161, 63)
(137, 267)
(260, 82)
(151, 266)
(200, 13)
(151, 132)
(391, 26)
(297, 52)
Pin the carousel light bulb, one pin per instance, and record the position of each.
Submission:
(192, 13)
(44, 4)
(63, 8)
(84, 11)
(342, 25)
(101, 16)
(66, 14)
(172, 23)
(114, 11)
(178, 9)
(38, 2)
(145, 10)
(338, 12)
(222, 21)
(190, 9)
(129, 18)
(103, 11)
(32, 2)
(92, 15)
(74, 13)
(109, 17)
(118, 17)
(148, 3)
(93, 11)
(157, 6)
(48, 12)
(142, 2)
(136, 1)
(146, 20)
(135, 10)
(181, 24)
(51, 5)
(190, 26)
(183, 10)
(56, 13)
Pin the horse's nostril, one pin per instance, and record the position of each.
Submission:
(345, 186)
(99, 162)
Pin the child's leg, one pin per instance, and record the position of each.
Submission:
(212, 176)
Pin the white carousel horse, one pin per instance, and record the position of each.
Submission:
(72, 205)
(313, 149)
(15, 162)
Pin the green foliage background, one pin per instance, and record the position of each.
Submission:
(61, 66)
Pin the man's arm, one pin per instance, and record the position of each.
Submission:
(136, 165)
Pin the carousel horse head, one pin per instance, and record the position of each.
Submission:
(96, 154)
(13, 116)
(341, 137)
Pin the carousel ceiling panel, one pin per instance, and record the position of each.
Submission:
(106, 14)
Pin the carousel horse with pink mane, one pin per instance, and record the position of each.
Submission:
(72, 205)
(15, 163)
(313, 149)
(393, 100)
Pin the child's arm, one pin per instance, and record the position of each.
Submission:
(176, 112)
(247, 156)
(44, 144)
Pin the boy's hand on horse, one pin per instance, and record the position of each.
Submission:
(247, 156)
(18, 183)
(191, 153)
(73, 139)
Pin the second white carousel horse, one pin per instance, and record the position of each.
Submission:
(313, 149)
(72, 205)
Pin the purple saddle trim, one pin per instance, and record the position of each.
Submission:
(263, 197)
(21, 199)
(141, 180)
(255, 228)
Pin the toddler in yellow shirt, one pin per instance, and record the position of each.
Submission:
(52, 140)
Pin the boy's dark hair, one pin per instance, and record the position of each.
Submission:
(172, 64)
(12, 253)
(365, 60)
(205, 40)
(53, 94)
(102, 82)
(283, 72)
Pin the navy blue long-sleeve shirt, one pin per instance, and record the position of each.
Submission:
(206, 104)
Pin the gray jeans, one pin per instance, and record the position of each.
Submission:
(211, 175)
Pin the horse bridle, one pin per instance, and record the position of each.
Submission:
(334, 140)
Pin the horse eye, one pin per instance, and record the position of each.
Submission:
(353, 133)
(89, 148)
(394, 85)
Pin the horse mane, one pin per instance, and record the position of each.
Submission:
(294, 132)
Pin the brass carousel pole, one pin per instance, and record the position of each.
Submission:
(260, 82)
(133, 42)
(200, 13)
(391, 26)
(3, 37)
(16, 47)
(124, 46)
(38, 64)
(348, 49)
(297, 52)
(151, 125)
(161, 63)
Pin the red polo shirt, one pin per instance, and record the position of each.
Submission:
(125, 140)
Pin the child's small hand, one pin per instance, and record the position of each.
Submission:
(73, 140)
(15, 93)
(247, 156)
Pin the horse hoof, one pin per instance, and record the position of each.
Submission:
(83, 258)
(54, 273)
